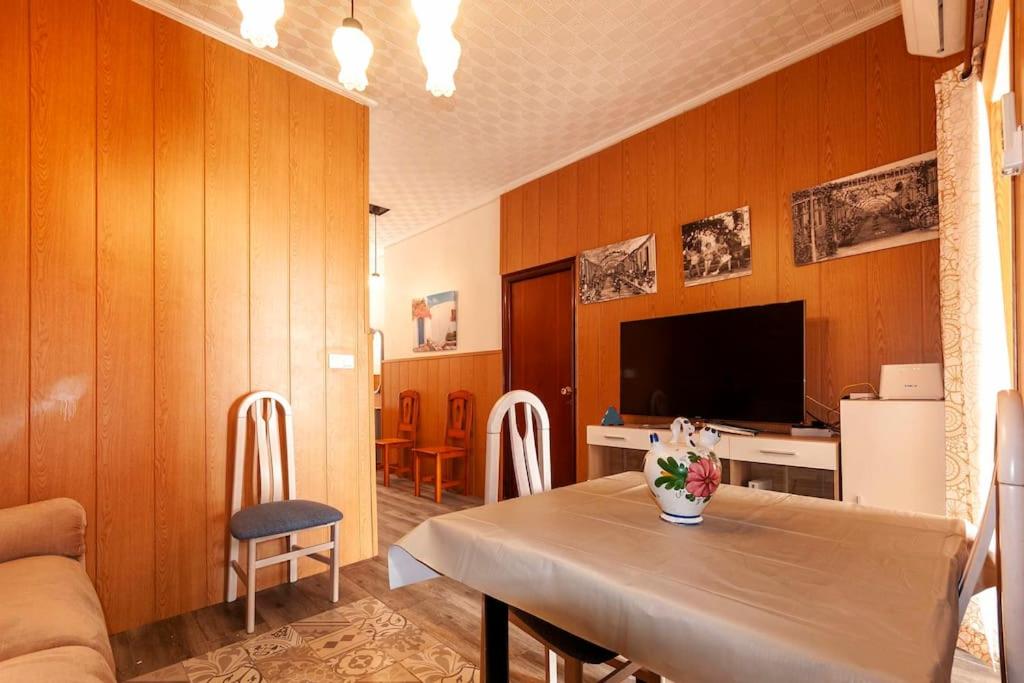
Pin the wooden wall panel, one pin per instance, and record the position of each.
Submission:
(226, 158)
(63, 263)
(567, 212)
(859, 104)
(171, 208)
(14, 245)
(435, 377)
(531, 222)
(125, 541)
(308, 305)
(181, 529)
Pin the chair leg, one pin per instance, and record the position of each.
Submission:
(550, 666)
(573, 670)
(335, 542)
(232, 576)
(465, 476)
(437, 479)
(416, 475)
(250, 589)
(386, 457)
(293, 565)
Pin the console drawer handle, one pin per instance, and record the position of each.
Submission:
(614, 438)
(766, 451)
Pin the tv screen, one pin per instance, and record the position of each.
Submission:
(741, 364)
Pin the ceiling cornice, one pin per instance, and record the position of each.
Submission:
(236, 41)
(777, 64)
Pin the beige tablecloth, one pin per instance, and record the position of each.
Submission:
(771, 587)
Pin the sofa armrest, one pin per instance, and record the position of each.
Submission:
(49, 527)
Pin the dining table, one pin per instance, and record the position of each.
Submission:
(770, 587)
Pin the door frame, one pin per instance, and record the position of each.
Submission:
(507, 280)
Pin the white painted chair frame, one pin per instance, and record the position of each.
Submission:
(1003, 520)
(269, 473)
(531, 462)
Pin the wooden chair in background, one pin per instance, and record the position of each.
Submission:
(277, 514)
(458, 441)
(405, 435)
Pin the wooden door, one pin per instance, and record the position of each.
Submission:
(540, 356)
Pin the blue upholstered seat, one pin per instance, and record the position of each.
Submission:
(269, 519)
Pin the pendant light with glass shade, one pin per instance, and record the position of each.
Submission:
(354, 50)
(259, 19)
(376, 279)
(439, 48)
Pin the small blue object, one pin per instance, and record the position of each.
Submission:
(654, 437)
(612, 418)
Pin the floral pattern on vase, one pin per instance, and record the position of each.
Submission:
(684, 473)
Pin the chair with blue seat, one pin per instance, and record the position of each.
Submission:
(277, 514)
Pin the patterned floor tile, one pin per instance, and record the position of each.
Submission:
(441, 664)
(296, 665)
(396, 673)
(339, 642)
(358, 664)
(384, 624)
(406, 642)
(172, 674)
(231, 663)
(273, 643)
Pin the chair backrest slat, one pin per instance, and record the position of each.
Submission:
(273, 457)
(530, 450)
(459, 421)
(408, 415)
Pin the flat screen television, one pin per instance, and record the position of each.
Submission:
(740, 364)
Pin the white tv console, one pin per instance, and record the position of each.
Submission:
(618, 449)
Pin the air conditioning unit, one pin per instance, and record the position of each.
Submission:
(934, 28)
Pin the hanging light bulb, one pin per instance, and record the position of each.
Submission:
(259, 18)
(439, 49)
(354, 50)
(376, 279)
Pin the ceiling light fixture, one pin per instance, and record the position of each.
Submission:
(354, 50)
(259, 18)
(439, 48)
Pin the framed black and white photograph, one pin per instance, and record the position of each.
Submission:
(618, 270)
(717, 248)
(885, 207)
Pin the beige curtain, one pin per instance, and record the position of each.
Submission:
(975, 353)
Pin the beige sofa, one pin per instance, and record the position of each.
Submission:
(51, 622)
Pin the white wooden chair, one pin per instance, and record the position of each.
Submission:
(531, 462)
(1003, 520)
(277, 514)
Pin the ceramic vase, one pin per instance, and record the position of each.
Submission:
(684, 473)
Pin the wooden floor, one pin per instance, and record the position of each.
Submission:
(447, 610)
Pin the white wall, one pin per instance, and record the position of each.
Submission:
(461, 254)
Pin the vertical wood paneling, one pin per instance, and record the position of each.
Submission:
(690, 193)
(661, 181)
(842, 123)
(548, 219)
(308, 305)
(895, 286)
(722, 129)
(180, 447)
(609, 226)
(514, 226)
(226, 95)
(634, 218)
(14, 245)
(63, 262)
(531, 224)
(567, 213)
(124, 290)
(757, 189)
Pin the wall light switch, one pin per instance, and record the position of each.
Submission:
(341, 361)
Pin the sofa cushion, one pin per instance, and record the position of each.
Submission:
(48, 602)
(74, 663)
(268, 519)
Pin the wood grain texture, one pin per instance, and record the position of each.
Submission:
(165, 253)
(226, 192)
(435, 377)
(531, 223)
(14, 245)
(125, 542)
(180, 351)
(63, 263)
(308, 304)
(856, 105)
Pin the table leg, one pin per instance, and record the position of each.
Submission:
(493, 640)
(416, 475)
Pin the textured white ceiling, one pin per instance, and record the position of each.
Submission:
(540, 80)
